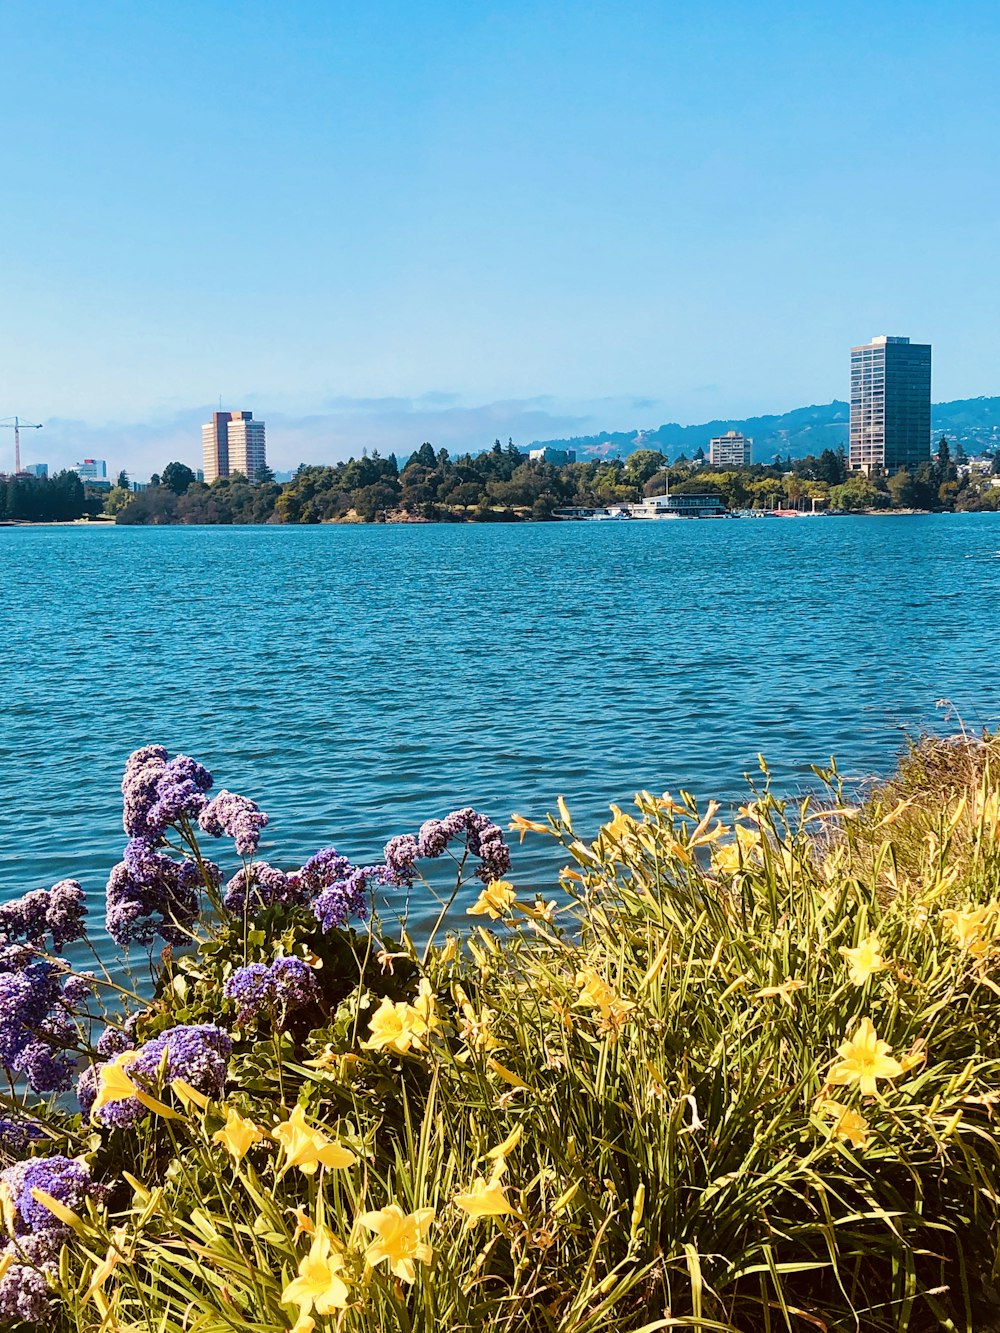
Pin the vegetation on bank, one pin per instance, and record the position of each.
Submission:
(499, 485)
(733, 1074)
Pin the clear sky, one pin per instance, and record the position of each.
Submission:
(382, 222)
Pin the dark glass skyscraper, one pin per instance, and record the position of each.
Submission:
(890, 405)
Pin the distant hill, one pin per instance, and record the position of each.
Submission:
(975, 422)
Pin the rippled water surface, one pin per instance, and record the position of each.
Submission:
(356, 680)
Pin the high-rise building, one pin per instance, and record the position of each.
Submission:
(233, 442)
(890, 405)
(730, 450)
(92, 469)
(37, 469)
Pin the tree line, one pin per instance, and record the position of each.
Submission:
(55, 499)
(498, 485)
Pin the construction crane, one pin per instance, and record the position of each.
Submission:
(17, 425)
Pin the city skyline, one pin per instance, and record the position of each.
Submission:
(493, 221)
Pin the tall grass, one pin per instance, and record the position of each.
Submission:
(643, 1068)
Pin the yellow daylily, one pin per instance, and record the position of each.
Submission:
(496, 900)
(864, 1059)
(307, 1147)
(486, 1198)
(304, 1226)
(972, 929)
(597, 994)
(848, 1125)
(238, 1135)
(425, 1006)
(114, 1085)
(399, 1237)
(116, 1253)
(318, 1286)
(784, 992)
(865, 959)
(396, 1027)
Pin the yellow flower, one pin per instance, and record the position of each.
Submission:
(238, 1135)
(865, 959)
(597, 994)
(485, 1199)
(495, 901)
(864, 1059)
(396, 1027)
(114, 1085)
(784, 992)
(399, 1238)
(318, 1286)
(115, 1253)
(848, 1125)
(304, 1225)
(972, 929)
(425, 1007)
(307, 1148)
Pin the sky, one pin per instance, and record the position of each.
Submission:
(373, 224)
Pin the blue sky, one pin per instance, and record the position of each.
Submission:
(383, 222)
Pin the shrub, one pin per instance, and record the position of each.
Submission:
(733, 1076)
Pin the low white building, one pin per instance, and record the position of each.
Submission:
(557, 457)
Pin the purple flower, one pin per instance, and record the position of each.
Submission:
(180, 791)
(142, 772)
(346, 898)
(400, 856)
(258, 886)
(64, 1178)
(15, 1135)
(238, 817)
(324, 867)
(251, 989)
(65, 912)
(158, 792)
(78, 988)
(24, 1291)
(163, 903)
(483, 839)
(58, 912)
(197, 1053)
(26, 1000)
(113, 1041)
(46, 1069)
(258, 990)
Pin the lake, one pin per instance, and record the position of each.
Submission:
(357, 680)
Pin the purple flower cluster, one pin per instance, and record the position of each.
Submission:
(346, 897)
(238, 817)
(260, 885)
(261, 991)
(63, 1177)
(163, 899)
(37, 1233)
(158, 791)
(34, 1026)
(24, 1289)
(483, 839)
(197, 1053)
(57, 912)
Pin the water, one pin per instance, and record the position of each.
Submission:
(357, 680)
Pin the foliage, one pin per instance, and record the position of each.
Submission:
(42, 499)
(734, 1077)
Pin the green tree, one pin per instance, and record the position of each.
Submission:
(264, 475)
(177, 477)
(903, 490)
(123, 480)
